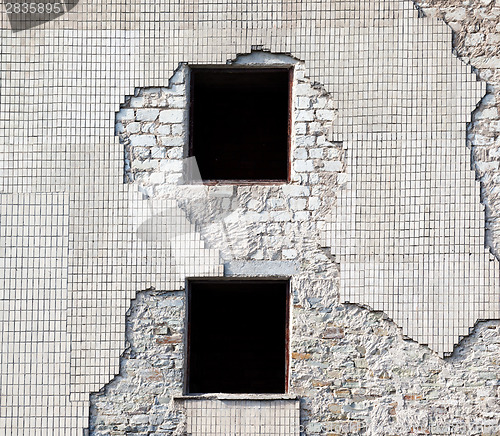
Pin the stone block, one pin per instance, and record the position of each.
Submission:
(145, 165)
(143, 140)
(266, 268)
(172, 141)
(178, 129)
(147, 114)
(133, 127)
(175, 153)
(302, 215)
(137, 102)
(298, 203)
(303, 89)
(316, 153)
(171, 166)
(171, 116)
(314, 203)
(302, 166)
(474, 39)
(303, 103)
(305, 115)
(300, 128)
(158, 152)
(125, 115)
(305, 141)
(141, 152)
(176, 102)
(300, 153)
(164, 130)
(316, 128)
(296, 191)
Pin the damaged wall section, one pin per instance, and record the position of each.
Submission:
(353, 369)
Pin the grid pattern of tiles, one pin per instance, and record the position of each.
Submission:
(408, 229)
(399, 91)
(207, 417)
(34, 358)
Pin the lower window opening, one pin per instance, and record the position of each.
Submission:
(237, 336)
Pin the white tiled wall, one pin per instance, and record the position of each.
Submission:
(408, 229)
(412, 246)
(212, 417)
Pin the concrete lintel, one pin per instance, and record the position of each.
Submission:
(261, 268)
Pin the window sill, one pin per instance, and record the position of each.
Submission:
(211, 182)
(236, 397)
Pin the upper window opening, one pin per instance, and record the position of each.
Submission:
(237, 336)
(240, 123)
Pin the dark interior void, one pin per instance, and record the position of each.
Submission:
(240, 123)
(238, 337)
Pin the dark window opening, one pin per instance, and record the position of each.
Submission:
(237, 337)
(240, 123)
